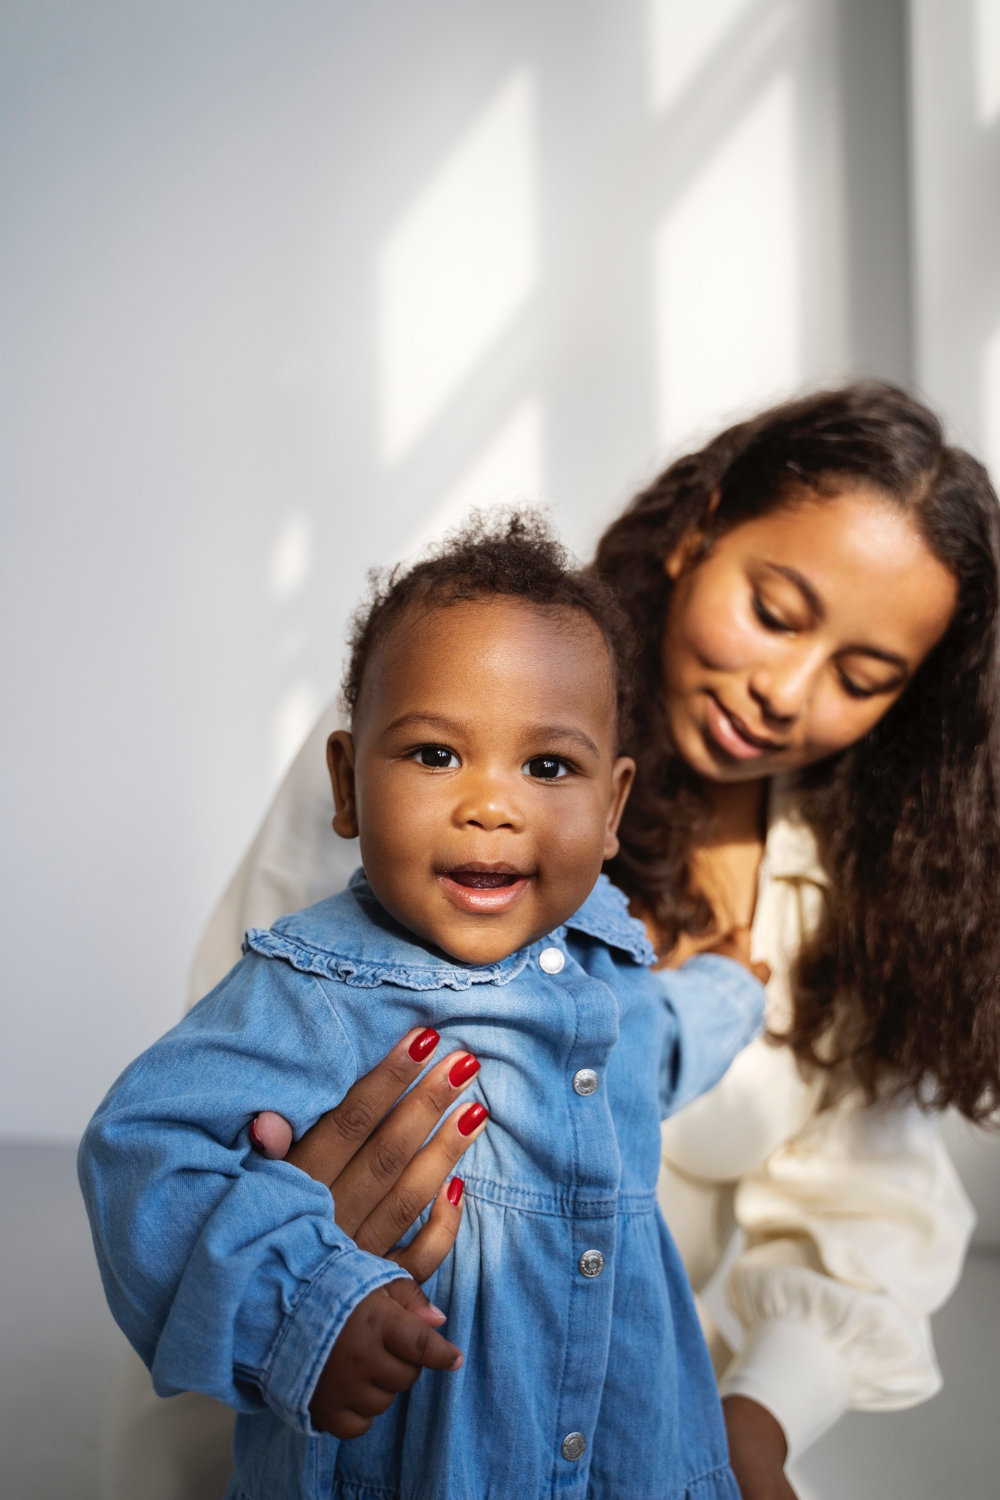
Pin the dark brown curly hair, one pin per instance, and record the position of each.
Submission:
(902, 980)
(510, 553)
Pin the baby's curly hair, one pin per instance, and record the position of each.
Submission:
(512, 554)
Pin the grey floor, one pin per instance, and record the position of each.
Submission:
(59, 1350)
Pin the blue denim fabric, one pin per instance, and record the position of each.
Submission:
(229, 1275)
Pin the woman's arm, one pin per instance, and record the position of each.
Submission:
(855, 1232)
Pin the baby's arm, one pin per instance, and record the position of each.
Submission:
(226, 1271)
(718, 1007)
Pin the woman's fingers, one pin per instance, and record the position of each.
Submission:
(329, 1145)
(417, 1186)
(433, 1242)
(390, 1179)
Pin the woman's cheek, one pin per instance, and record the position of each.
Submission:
(721, 639)
(836, 722)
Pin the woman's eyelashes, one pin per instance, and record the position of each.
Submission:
(769, 620)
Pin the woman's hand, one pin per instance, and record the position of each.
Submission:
(736, 944)
(369, 1151)
(757, 1450)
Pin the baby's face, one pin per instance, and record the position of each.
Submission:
(482, 774)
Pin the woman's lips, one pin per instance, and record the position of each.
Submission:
(731, 738)
(484, 889)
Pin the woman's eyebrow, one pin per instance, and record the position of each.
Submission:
(805, 588)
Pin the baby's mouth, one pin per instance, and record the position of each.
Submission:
(483, 880)
(484, 888)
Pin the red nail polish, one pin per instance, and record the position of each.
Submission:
(467, 1067)
(472, 1118)
(423, 1045)
(456, 1187)
(254, 1136)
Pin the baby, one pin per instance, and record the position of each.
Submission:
(489, 697)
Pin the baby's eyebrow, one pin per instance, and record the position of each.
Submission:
(432, 721)
(564, 732)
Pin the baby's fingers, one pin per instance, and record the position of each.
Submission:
(433, 1242)
(410, 1339)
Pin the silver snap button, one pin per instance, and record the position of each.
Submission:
(551, 960)
(591, 1263)
(585, 1082)
(574, 1446)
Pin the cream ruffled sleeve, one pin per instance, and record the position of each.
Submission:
(856, 1229)
(295, 860)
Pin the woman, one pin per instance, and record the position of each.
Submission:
(816, 599)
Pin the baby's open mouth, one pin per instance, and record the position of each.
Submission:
(484, 888)
(484, 880)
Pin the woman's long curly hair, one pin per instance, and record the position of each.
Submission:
(902, 980)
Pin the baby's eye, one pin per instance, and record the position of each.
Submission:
(438, 757)
(545, 767)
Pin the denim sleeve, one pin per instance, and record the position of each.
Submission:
(226, 1271)
(718, 1007)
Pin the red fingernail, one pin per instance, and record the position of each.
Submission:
(255, 1137)
(467, 1067)
(423, 1045)
(473, 1117)
(456, 1187)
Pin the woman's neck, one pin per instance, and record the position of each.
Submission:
(725, 860)
(737, 813)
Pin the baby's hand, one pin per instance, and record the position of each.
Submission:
(384, 1345)
(736, 944)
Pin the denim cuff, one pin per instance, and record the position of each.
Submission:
(313, 1327)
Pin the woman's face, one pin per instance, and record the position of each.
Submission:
(797, 632)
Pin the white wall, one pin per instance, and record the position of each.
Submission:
(283, 286)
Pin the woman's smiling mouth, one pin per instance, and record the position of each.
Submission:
(728, 733)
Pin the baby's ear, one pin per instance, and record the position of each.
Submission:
(340, 761)
(622, 776)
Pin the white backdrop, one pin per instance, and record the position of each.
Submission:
(285, 287)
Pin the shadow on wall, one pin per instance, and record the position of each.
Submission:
(289, 288)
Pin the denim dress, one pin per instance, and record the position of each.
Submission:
(585, 1371)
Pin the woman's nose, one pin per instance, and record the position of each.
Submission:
(784, 687)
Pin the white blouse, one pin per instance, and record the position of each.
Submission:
(854, 1223)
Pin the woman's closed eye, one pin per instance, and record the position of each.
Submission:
(435, 757)
(769, 619)
(547, 768)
